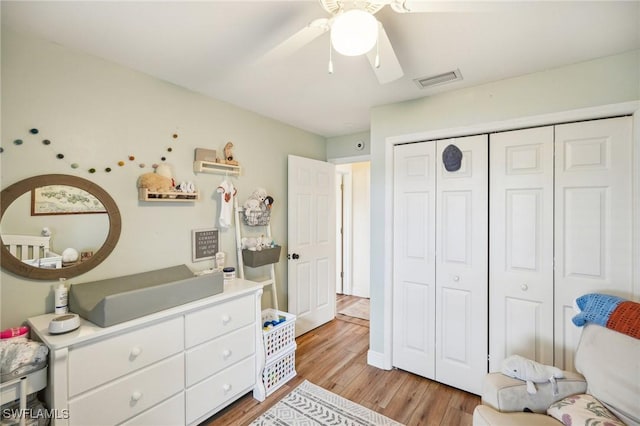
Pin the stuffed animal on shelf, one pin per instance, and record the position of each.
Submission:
(228, 155)
(159, 181)
(530, 371)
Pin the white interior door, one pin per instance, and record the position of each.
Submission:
(414, 258)
(311, 242)
(593, 219)
(462, 265)
(521, 245)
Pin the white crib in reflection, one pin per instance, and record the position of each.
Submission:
(32, 249)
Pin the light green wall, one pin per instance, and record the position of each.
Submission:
(343, 148)
(98, 113)
(603, 81)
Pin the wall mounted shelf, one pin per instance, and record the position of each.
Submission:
(219, 168)
(175, 197)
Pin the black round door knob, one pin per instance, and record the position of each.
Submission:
(295, 256)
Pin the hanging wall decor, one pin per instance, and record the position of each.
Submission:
(75, 165)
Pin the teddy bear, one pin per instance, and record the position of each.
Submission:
(255, 201)
(159, 181)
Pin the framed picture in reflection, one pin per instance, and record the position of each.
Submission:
(63, 199)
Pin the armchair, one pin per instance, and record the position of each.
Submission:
(609, 363)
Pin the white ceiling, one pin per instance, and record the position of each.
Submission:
(212, 47)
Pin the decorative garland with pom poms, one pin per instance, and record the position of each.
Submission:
(74, 165)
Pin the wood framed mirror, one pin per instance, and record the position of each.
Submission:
(9, 195)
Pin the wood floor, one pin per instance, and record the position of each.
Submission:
(334, 356)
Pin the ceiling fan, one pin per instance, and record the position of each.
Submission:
(355, 31)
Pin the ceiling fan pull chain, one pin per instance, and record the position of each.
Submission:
(330, 59)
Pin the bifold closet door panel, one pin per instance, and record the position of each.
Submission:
(521, 245)
(593, 219)
(462, 265)
(414, 258)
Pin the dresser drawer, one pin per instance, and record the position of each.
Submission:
(209, 395)
(129, 396)
(218, 354)
(94, 364)
(167, 413)
(217, 320)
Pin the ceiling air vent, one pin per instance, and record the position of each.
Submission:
(434, 80)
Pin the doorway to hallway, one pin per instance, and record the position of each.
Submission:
(353, 229)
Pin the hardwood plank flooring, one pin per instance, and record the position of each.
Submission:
(334, 356)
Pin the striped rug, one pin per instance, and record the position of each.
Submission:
(312, 405)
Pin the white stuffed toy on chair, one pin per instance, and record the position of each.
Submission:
(522, 368)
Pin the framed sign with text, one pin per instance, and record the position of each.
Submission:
(204, 244)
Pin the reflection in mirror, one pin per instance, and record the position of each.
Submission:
(56, 226)
(68, 233)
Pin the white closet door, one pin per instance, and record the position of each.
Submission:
(593, 223)
(414, 258)
(462, 265)
(521, 245)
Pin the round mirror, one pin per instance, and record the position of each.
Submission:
(74, 205)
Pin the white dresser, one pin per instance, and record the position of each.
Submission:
(177, 366)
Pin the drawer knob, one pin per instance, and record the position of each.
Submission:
(136, 396)
(456, 278)
(226, 353)
(226, 319)
(524, 287)
(135, 351)
(226, 388)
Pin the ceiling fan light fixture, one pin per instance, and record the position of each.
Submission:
(354, 32)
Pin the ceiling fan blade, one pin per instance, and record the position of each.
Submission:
(305, 36)
(383, 60)
(420, 6)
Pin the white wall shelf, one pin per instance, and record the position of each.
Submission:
(219, 168)
(174, 196)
